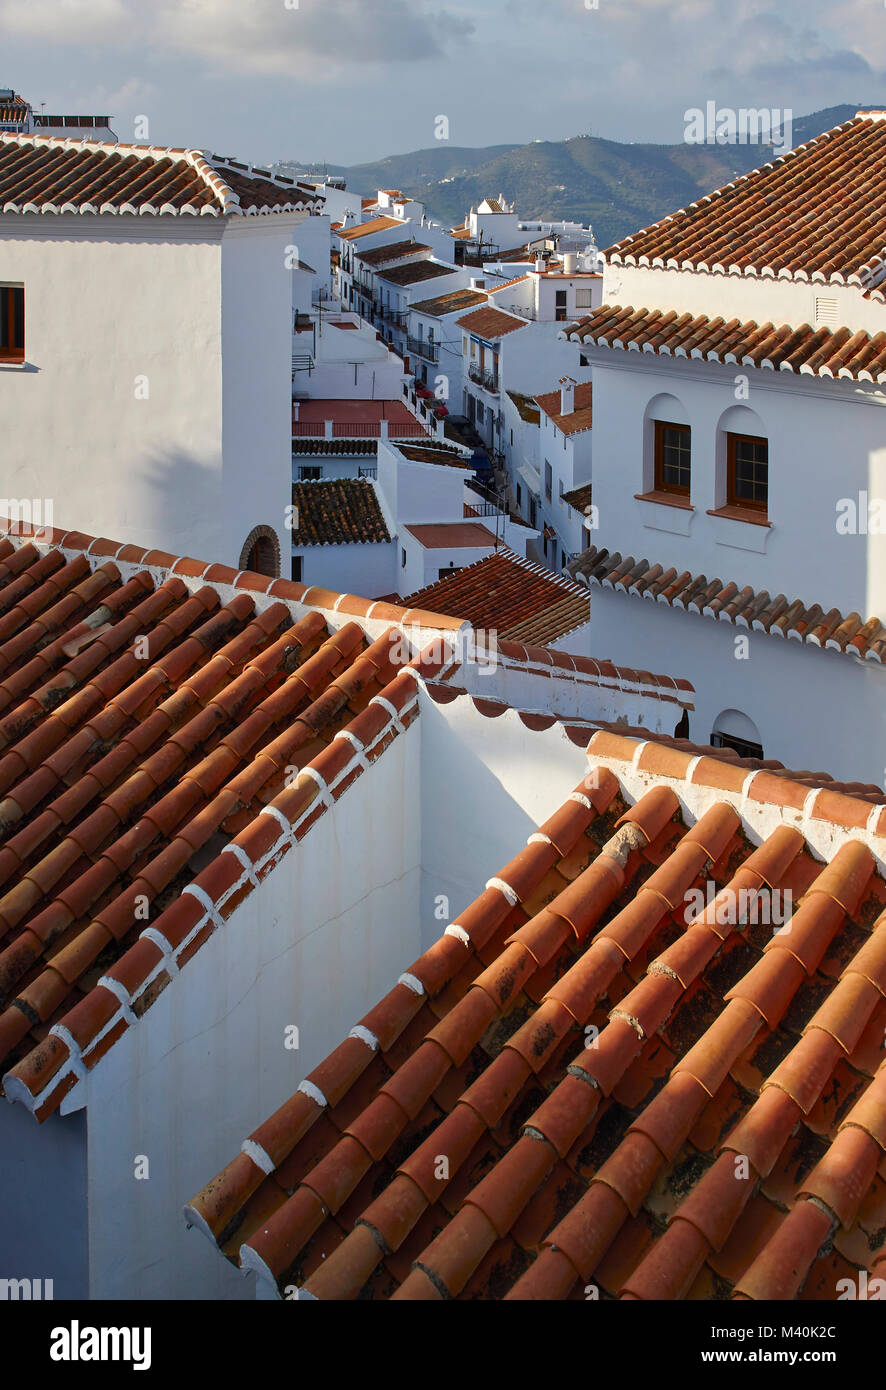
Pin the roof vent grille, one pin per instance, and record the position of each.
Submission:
(825, 312)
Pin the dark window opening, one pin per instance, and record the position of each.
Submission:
(310, 473)
(12, 324)
(296, 569)
(261, 559)
(738, 745)
(673, 458)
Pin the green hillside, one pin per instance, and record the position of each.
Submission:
(616, 187)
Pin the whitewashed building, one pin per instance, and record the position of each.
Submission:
(146, 301)
(739, 437)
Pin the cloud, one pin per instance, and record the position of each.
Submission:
(288, 37)
(53, 22)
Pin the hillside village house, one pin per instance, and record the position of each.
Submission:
(231, 805)
(237, 810)
(739, 439)
(145, 353)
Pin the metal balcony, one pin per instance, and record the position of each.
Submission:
(481, 377)
(422, 348)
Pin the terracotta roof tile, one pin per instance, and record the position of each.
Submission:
(41, 173)
(586, 1168)
(490, 323)
(338, 511)
(578, 419)
(824, 352)
(377, 224)
(456, 535)
(779, 219)
(120, 766)
(386, 255)
(451, 303)
(515, 598)
(414, 273)
(746, 608)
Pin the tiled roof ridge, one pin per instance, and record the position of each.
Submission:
(268, 1146)
(538, 659)
(310, 596)
(436, 1069)
(811, 625)
(557, 619)
(490, 318)
(866, 274)
(753, 789)
(562, 581)
(43, 1078)
(833, 353)
(869, 792)
(207, 167)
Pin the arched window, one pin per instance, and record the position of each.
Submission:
(743, 462)
(735, 730)
(667, 448)
(261, 552)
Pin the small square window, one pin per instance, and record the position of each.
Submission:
(310, 473)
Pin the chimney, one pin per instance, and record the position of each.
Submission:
(567, 395)
(569, 264)
(540, 264)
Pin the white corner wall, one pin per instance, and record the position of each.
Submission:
(815, 710)
(115, 307)
(321, 942)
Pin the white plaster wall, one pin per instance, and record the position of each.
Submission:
(533, 359)
(314, 242)
(483, 796)
(43, 1226)
(367, 570)
(815, 710)
(109, 301)
(423, 565)
(256, 381)
(419, 492)
(827, 441)
(744, 297)
(318, 945)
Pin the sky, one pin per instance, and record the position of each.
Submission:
(350, 81)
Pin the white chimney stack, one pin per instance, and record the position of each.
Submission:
(569, 264)
(567, 395)
(540, 264)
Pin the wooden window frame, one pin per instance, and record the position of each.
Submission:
(12, 354)
(658, 478)
(760, 509)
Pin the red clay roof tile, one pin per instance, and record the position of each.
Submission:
(482, 1042)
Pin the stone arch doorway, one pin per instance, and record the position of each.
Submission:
(261, 552)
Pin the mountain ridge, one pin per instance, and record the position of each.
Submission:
(618, 187)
